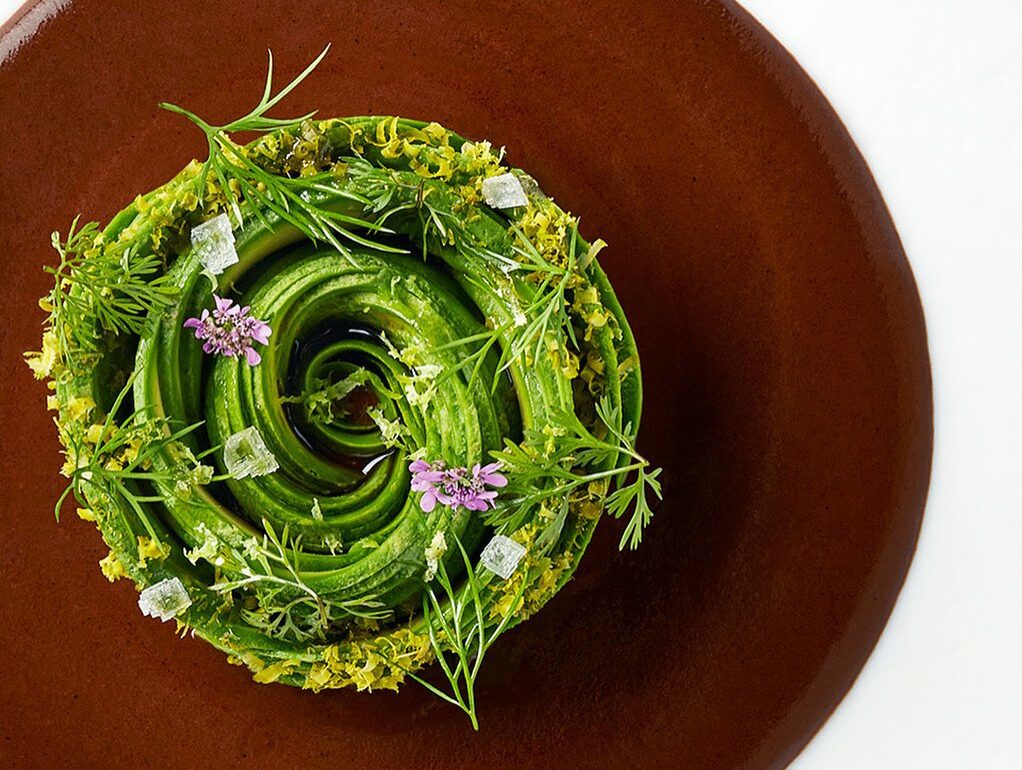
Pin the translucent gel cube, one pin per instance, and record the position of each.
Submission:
(213, 242)
(164, 600)
(504, 192)
(245, 455)
(502, 555)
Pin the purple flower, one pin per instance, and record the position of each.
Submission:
(456, 487)
(230, 331)
(425, 477)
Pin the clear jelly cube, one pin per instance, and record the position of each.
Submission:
(245, 455)
(502, 555)
(164, 600)
(504, 192)
(213, 242)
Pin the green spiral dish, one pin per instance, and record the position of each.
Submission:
(410, 320)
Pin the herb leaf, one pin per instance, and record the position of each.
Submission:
(101, 287)
(304, 202)
(460, 641)
(554, 464)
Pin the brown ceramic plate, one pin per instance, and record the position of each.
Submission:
(785, 363)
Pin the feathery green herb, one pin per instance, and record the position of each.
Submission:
(302, 201)
(460, 641)
(101, 287)
(551, 464)
(545, 317)
(120, 463)
(287, 607)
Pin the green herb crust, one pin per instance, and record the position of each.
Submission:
(476, 334)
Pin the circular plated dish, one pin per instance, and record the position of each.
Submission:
(786, 375)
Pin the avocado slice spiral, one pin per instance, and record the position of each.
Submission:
(414, 311)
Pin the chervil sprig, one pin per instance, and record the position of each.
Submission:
(551, 465)
(633, 496)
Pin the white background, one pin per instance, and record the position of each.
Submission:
(932, 92)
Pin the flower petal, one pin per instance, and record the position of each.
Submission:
(261, 332)
(495, 480)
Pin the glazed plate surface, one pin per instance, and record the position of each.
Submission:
(784, 354)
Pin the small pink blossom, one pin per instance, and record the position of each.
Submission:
(456, 487)
(230, 331)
